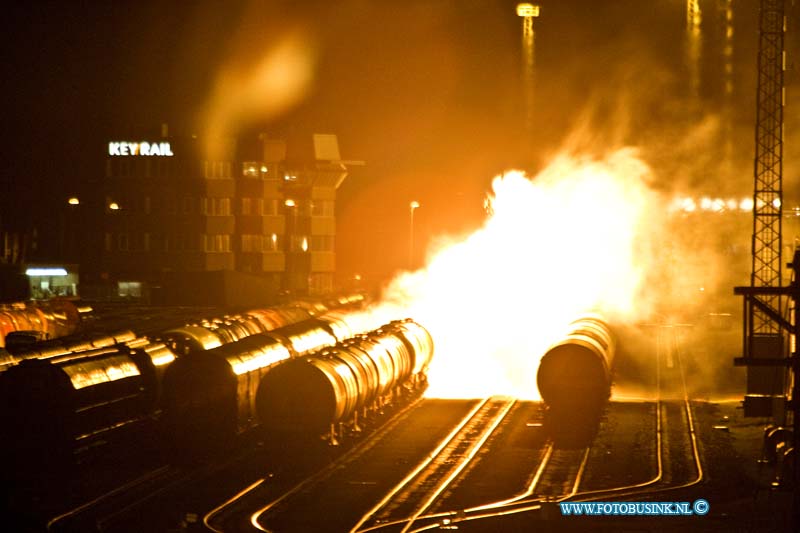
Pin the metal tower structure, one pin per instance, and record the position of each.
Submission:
(768, 194)
(765, 333)
(768, 325)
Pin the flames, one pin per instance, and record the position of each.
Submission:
(552, 247)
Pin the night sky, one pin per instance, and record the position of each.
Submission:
(429, 94)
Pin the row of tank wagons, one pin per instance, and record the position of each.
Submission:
(574, 376)
(198, 335)
(66, 403)
(330, 391)
(27, 322)
(779, 453)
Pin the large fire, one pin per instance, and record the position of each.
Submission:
(551, 248)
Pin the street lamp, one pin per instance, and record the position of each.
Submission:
(413, 205)
(528, 12)
(68, 223)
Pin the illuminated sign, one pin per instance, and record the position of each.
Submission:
(35, 272)
(141, 148)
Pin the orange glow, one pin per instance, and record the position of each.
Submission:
(551, 248)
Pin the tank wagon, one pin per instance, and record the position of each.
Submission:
(62, 397)
(63, 405)
(574, 374)
(210, 333)
(70, 344)
(210, 396)
(54, 318)
(328, 391)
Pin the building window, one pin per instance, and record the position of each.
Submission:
(123, 168)
(271, 207)
(275, 242)
(246, 206)
(122, 242)
(250, 169)
(216, 243)
(147, 205)
(320, 283)
(219, 206)
(298, 243)
(187, 205)
(322, 243)
(163, 167)
(146, 242)
(216, 169)
(254, 243)
(108, 240)
(322, 208)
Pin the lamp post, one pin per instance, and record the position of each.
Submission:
(528, 12)
(413, 205)
(68, 222)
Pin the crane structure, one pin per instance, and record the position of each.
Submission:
(764, 324)
(770, 310)
(768, 192)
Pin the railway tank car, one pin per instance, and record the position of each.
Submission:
(65, 396)
(209, 396)
(58, 407)
(54, 318)
(322, 392)
(574, 374)
(61, 346)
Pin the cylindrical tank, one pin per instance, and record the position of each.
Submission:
(307, 395)
(56, 406)
(63, 316)
(420, 343)
(189, 339)
(209, 396)
(305, 337)
(575, 372)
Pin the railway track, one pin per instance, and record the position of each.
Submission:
(418, 491)
(678, 460)
(339, 484)
(559, 474)
(423, 499)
